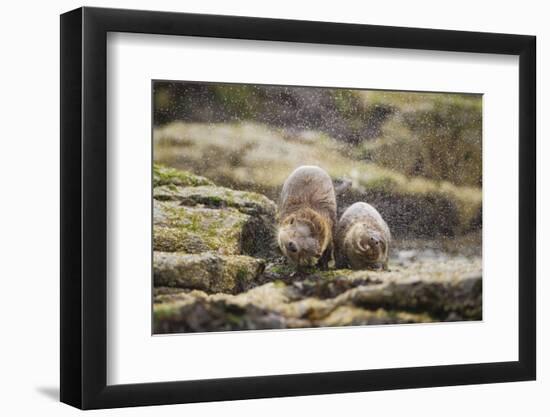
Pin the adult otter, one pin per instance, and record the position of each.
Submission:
(362, 238)
(307, 217)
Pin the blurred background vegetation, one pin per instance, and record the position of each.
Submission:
(416, 156)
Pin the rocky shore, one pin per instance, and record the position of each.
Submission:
(216, 267)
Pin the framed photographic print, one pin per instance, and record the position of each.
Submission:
(257, 208)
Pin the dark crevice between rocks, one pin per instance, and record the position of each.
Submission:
(442, 301)
(325, 288)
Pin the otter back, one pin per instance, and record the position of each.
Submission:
(307, 216)
(348, 242)
(308, 187)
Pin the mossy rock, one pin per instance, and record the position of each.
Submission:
(204, 316)
(446, 289)
(432, 135)
(179, 239)
(431, 291)
(197, 229)
(206, 271)
(451, 301)
(167, 176)
(408, 214)
(355, 316)
(417, 207)
(217, 197)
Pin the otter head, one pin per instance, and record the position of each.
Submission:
(365, 245)
(300, 241)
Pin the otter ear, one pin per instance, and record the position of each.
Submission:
(310, 224)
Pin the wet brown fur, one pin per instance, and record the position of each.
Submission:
(358, 223)
(308, 198)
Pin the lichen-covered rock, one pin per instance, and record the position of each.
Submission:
(201, 218)
(354, 316)
(202, 316)
(180, 239)
(217, 197)
(163, 175)
(197, 229)
(430, 135)
(447, 290)
(454, 300)
(216, 266)
(260, 308)
(206, 271)
(434, 291)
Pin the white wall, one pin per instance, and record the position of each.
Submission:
(29, 225)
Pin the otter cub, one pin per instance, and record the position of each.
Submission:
(307, 217)
(362, 238)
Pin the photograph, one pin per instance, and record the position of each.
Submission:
(258, 206)
(287, 207)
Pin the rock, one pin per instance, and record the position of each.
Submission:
(438, 137)
(441, 288)
(253, 204)
(216, 266)
(354, 316)
(196, 311)
(179, 239)
(206, 271)
(442, 300)
(203, 316)
(434, 291)
(330, 286)
(246, 219)
(199, 229)
(163, 175)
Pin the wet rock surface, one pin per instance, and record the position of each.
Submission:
(195, 219)
(216, 268)
(207, 271)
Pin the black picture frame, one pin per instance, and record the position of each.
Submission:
(84, 207)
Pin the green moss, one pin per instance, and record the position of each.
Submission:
(279, 284)
(216, 201)
(282, 269)
(165, 311)
(381, 183)
(173, 239)
(216, 197)
(335, 273)
(241, 276)
(178, 226)
(163, 175)
(234, 319)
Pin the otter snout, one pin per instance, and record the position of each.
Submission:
(291, 247)
(368, 243)
(373, 241)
